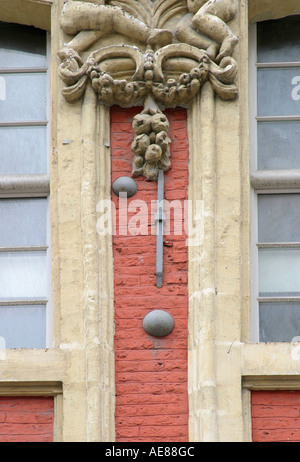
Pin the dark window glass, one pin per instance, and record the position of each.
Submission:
(278, 40)
(279, 322)
(21, 46)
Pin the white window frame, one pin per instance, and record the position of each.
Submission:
(263, 181)
(34, 185)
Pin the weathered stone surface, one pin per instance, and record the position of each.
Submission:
(171, 62)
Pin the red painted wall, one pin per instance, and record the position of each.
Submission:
(275, 416)
(151, 373)
(26, 419)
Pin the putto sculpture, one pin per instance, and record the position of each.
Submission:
(163, 52)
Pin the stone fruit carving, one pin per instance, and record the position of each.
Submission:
(178, 46)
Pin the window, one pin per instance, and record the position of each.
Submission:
(24, 188)
(275, 144)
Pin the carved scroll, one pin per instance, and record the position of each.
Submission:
(166, 68)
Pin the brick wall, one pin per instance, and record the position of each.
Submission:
(275, 416)
(151, 373)
(26, 419)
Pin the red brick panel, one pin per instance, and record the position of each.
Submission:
(151, 373)
(26, 419)
(275, 416)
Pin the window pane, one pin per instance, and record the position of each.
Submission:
(279, 217)
(279, 322)
(23, 326)
(274, 138)
(23, 275)
(23, 150)
(277, 91)
(25, 97)
(279, 40)
(21, 46)
(279, 272)
(23, 222)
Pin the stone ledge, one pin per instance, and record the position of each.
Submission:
(35, 13)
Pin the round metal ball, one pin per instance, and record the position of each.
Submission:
(158, 323)
(124, 184)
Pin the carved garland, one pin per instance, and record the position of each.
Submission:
(167, 73)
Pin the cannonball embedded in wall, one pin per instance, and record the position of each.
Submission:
(124, 184)
(158, 323)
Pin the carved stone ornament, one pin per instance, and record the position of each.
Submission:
(163, 52)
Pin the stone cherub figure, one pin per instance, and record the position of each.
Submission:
(205, 27)
(202, 27)
(89, 20)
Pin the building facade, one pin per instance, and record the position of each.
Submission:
(112, 329)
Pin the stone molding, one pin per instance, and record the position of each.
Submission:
(271, 382)
(32, 388)
(19, 185)
(178, 46)
(135, 66)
